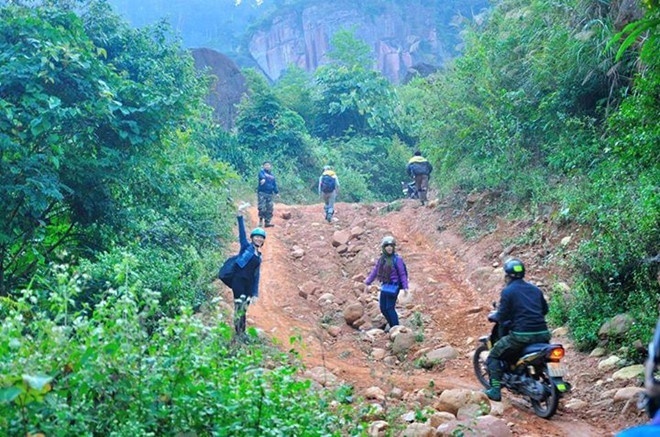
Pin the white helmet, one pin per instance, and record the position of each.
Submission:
(388, 241)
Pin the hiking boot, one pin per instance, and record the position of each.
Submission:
(261, 223)
(494, 394)
(268, 225)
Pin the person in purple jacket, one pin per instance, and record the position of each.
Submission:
(391, 271)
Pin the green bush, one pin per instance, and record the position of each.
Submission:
(105, 374)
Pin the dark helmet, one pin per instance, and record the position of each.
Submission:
(651, 399)
(388, 241)
(258, 231)
(514, 268)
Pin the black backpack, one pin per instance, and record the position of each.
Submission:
(328, 183)
(418, 168)
(226, 273)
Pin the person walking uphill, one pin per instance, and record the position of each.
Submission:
(420, 169)
(266, 190)
(245, 281)
(328, 190)
(391, 271)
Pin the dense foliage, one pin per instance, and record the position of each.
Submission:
(98, 150)
(113, 218)
(116, 193)
(111, 374)
(539, 111)
(344, 115)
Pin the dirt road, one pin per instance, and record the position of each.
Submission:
(306, 283)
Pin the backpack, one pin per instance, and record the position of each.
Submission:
(418, 168)
(328, 183)
(226, 273)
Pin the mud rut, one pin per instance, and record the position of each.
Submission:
(452, 309)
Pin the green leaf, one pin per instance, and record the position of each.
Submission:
(39, 383)
(8, 394)
(636, 29)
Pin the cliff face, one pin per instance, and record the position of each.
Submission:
(228, 88)
(400, 36)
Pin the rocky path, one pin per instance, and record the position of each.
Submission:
(312, 282)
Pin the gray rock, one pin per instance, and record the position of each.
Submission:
(616, 326)
(442, 354)
(403, 343)
(629, 372)
(418, 430)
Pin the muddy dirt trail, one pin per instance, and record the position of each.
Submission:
(307, 282)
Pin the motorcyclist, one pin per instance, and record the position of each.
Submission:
(522, 311)
(420, 169)
(651, 400)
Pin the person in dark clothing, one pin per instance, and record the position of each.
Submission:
(245, 282)
(420, 169)
(391, 272)
(266, 190)
(522, 311)
(651, 398)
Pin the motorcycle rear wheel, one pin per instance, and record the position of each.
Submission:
(547, 408)
(480, 367)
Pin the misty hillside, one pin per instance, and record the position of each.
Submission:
(277, 34)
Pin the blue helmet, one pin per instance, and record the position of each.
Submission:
(651, 399)
(258, 231)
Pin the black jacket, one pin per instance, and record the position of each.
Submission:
(523, 305)
(418, 165)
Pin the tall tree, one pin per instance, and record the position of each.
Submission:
(86, 104)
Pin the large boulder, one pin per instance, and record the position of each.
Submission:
(453, 400)
(615, 327)
(353, 312)
(227, 88)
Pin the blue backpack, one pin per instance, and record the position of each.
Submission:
(328, 183)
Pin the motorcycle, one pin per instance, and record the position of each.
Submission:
(409, 190)
(536, 374)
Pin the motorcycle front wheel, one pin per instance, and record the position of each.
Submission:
(479, 363)
(548, 407)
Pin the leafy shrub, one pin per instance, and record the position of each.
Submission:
(104, 374)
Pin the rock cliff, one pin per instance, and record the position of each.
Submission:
(228, 88)
(401, 34)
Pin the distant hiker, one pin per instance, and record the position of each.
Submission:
(328, 190)
(391, 271)
(420, 169)
(245, 281)
(266, 190)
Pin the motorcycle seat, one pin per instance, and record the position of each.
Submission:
(537, 347)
